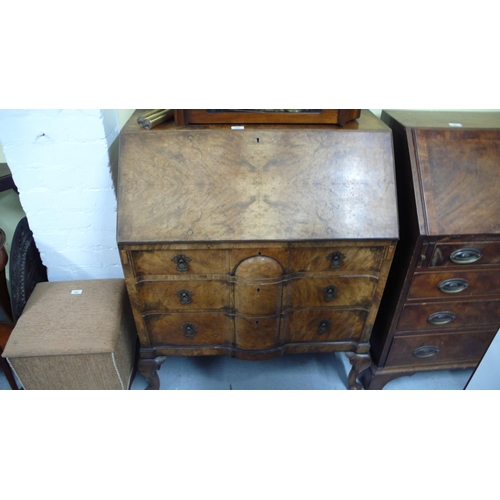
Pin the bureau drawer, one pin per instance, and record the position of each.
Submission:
(417, 350)
(332, 291)
(189, 329)
(427, 285)
(328, 259)
(445, 315)
(466, 253)
(324, 325)
(182, 262)
(183, 295)
(256, 333)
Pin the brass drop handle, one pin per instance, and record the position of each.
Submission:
(465, 256)
(455, 285)
(184, 296)
(426, 351)
(329, 292)
(336, 259)
(323, 326)
(182, 262)
(189, 330)
(441, 318)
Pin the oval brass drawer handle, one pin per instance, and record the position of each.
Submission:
(426, 351)
(189, 330)
(441, 318)
(465, 256)
(455, 285)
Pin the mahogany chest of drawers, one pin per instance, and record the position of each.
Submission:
(256, 243)
(441, 308)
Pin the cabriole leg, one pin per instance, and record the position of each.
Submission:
(149, 369)
(360, 363)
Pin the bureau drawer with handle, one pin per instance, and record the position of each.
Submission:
(436, 316)
(183, 295)
(445, 284)
(193, 329)
(429, 349)
(324, 325)
(346, 259)
(465, 254)
(332, 291)
(181, 262)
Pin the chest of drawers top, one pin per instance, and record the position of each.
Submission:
(455, 168)
(263, 183)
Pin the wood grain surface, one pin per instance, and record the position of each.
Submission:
(458, 170)
(269, 184)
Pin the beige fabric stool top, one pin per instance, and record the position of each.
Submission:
(74, 335)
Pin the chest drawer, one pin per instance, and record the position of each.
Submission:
(324, 326)
(183, 295)
(444, 284)
(182, 262)
(446, 315)
(465, 253)
(367, 259)
(427, 349)
(332, 291)
(193, 329)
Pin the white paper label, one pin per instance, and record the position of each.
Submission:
(76, 292)
(455, 124)
(237, 127)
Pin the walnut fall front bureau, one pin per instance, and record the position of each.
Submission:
(256, 242)
(441, 307)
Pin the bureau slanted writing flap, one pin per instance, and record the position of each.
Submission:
(459, 173)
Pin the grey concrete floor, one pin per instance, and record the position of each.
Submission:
(294, 372)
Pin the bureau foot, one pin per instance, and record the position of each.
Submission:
(149, 369)
(376, 381)
(360, 363)
(377, 378)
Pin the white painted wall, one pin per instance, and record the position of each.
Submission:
(61, 165)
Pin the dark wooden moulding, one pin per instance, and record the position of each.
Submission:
(319, 116)
(255, 243)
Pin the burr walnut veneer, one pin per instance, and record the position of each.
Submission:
(441, 307)
(256, 243)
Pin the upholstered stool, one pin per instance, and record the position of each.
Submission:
(74, 335)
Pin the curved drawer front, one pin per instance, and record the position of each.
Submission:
(256, 333)
(182, 262)
(333, 291)
(337, 258)
(465, 253)
(324, 325)
(182, 295)
(427, 285)
(430, 349)
(189, 329)
(238, 255)
(446, 315)
(258, 288)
